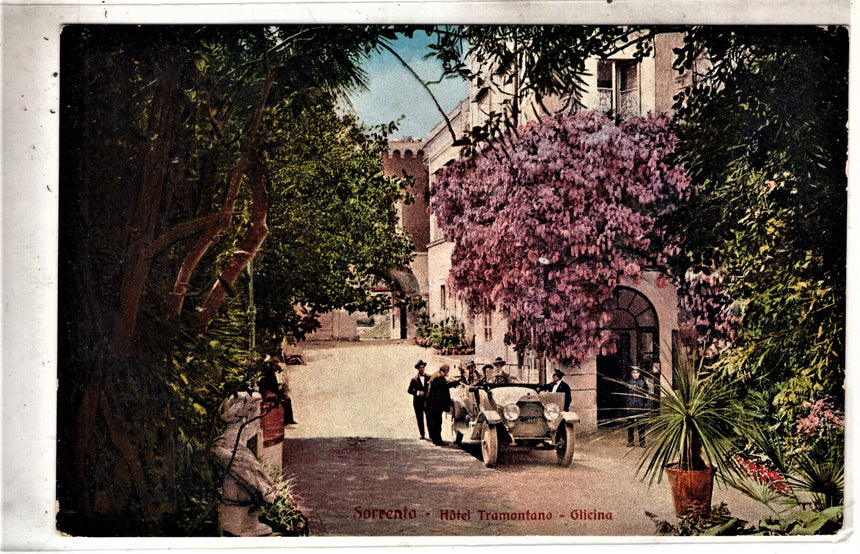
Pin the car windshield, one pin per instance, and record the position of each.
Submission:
(510, 395)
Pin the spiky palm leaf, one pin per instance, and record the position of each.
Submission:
(692, 424)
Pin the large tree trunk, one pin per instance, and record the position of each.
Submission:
(156, 158)
(99, 397)
(247, 248)
(256, 234)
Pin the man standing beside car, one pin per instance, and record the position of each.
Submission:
(418, 390)
(438, 401)
(558, 385)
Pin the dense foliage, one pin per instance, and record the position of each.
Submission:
(180, 149)
(448, 337)
(333, 227)
(720, 522)
(546, 234)
(763, 135)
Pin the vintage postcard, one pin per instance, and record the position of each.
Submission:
(402, 275)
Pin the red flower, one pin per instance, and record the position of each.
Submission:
(764, 475)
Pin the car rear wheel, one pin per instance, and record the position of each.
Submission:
(489, 444)
(564, 444)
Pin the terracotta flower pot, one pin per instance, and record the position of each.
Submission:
(691, 489)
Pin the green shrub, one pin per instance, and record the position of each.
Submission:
(423, 326)
(283, 515)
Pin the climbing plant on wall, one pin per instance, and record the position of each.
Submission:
(548, 227)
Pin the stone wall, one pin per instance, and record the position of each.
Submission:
(336, 325)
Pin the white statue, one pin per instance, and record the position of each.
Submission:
(247, 484)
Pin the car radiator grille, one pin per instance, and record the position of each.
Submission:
(531, 422)
(531, 411)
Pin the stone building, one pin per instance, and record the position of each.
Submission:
(405, 158)
(645, 317)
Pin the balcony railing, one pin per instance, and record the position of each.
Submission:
(629, 103)
(629, 100)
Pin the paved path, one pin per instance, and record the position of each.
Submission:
(355, 389)
(360, 469)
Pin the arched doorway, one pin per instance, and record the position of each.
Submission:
(402, 285)
(635, 330)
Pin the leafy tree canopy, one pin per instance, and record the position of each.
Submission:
(763, 134)
(333, 228)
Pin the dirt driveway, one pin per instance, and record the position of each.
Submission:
(360, 469)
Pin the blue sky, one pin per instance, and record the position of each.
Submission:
(393, 91)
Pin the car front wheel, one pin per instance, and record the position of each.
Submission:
(489, 444)
(564, 444)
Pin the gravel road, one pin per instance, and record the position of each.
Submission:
(360, 469)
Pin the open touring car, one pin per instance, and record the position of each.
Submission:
(502, 415)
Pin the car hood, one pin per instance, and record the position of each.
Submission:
(503, 396)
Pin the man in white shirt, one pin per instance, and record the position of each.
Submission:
(418, 390)
(558, 385)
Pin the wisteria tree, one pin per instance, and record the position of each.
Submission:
(548, 225)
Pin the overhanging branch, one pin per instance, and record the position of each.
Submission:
(427, 88)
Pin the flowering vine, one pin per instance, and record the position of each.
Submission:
(711, 312)
(822, 416)
(546, 229)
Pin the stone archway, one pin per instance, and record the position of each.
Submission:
(404, 284)
(636, 331)
(399, 287)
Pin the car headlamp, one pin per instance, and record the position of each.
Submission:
(511, 412)
(551, 411)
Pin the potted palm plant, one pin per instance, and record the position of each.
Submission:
(689, 432)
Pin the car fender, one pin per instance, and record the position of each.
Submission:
(570, 417)
(493, 419)
(490, 416)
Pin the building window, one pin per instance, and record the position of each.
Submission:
(618, 88)
(488, 327)
(604, 75)
(443, 299)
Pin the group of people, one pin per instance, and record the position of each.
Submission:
(431, 395)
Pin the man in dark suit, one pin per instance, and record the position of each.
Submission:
(418, 390)
(438, 401)
(636, 401)
(558, 385)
